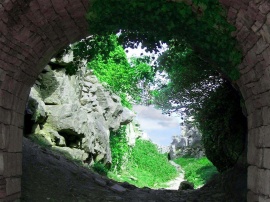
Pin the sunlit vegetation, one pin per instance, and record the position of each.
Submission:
(197, 171)
(108, 61)
(145, 167)
(201, 62)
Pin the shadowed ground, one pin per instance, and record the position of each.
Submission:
(50, 177)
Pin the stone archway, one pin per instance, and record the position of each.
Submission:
(32, 31)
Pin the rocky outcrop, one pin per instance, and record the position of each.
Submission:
(188, 143)
(133, 132)
(74, 114)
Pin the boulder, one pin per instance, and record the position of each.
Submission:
(185, 185)
(188, 143)
(75, 113)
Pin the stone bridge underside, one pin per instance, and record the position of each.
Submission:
(32, 31)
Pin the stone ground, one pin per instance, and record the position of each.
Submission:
(50, 177)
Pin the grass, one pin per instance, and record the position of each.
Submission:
(197, 171)
(146, 167)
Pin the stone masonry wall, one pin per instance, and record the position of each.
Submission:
(252, 20)
(32, 31)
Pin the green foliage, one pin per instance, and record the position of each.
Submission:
(197, 171)
(203, 26)
(145, 155)
(100, 168)
(191, 80)
(107, 58)
(223, 126)
(119, 149)
(146, 167)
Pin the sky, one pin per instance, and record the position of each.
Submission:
(159, 127)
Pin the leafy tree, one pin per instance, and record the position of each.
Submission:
(224, 127)
(197, 90)
(202, 25)
(202, 55)
(191, 79)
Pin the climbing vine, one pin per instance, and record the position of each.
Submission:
(120, 148)
(108, 61)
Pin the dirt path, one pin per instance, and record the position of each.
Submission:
(175, 183)
(50, 177)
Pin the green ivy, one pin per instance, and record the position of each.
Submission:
(206, 29)
(119, 148)
(108, 60)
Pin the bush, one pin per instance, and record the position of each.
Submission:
(223, 127)
(197, 171)
(100, 168)
(146, 167)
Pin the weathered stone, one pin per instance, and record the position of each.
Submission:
(189, 143)
(118, 188)
(255, 154)
(77, 112)
(264, 182)
(252, 182)
(73, 153)
(251, 197)
(266, 159)
(100, 182)
(13, 185)
(185, 185)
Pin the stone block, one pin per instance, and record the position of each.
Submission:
(250, 105)
(11, 164)
(264, 132)
(6, 100)
(4, 136)
(265, 7)
(260, 69)
(59, 4)
(7, 84)
(18, 105)
(232, 13)
(17, 119)
(264, 199)
(5, 116)
(251, 42)
(86, 4)
(266, 158)
(252, 181)
(243, 34)
(15, 139)
(13, 186)
(252, 197)
(265, 33)
(248, 78)
(2, 163)
(261, 46)
(254, 154)
(264, 182)
(266, 115)
(255, 119)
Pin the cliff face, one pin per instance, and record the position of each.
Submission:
(74, 114)
(188, 144)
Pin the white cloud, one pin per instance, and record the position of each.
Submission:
(159, 127)
(150, 115)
